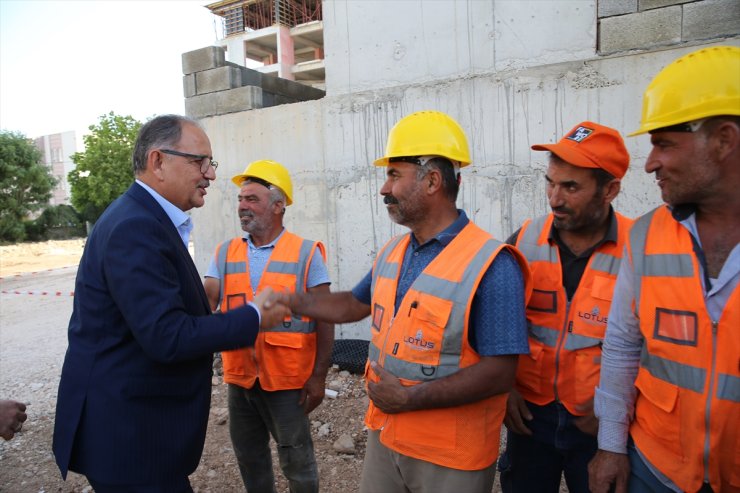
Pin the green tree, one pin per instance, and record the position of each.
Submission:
(55, 222)
(25, 183)
(104, 170)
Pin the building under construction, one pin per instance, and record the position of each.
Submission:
(276, 37)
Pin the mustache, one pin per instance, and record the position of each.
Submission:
(389, 199)
(248, 214)
(204, 184)
(564, 210)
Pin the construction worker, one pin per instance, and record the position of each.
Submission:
(668, 400)
(574, 254)
(447, 323)
(275, 385)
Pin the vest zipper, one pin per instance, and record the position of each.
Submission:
(563, 334)
(381, 356)
(381, 359)
(708, 407)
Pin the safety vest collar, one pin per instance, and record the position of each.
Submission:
(442, 287)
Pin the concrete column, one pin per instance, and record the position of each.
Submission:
(285, 53)
(236, 52)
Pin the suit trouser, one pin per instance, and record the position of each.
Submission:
(254, 415)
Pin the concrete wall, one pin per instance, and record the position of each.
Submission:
(372, 44)
(512, 73)
(637, 25)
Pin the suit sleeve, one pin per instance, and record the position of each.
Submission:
(161, 301)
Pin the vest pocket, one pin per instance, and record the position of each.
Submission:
(405, 430)
(587, 369)
(543, 301)
(529, 372)
(285, 348)
(422, 336)
(603, 288)
(657, 412)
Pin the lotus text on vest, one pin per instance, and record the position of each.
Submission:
(417, 342)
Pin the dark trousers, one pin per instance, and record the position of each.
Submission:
(254, 415)
(533, 464)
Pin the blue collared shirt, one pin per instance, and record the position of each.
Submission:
(179, 218)
(258, 257)
(497, 319)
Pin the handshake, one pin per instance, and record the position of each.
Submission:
(274, 307)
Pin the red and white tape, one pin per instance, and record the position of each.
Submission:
(41, 293)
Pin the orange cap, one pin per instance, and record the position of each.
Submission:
(590, 145)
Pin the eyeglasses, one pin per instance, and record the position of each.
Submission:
(202, 160)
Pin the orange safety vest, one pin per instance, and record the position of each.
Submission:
(283, 356)
(565, 338)
(427, 339)
(687, 412)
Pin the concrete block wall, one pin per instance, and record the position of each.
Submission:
(513, 73)
(329, 145)
(646, 24)
(212, 86)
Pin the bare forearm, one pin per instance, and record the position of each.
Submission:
(340, 307)
(324, 345)
(212, 287)
(492, 375)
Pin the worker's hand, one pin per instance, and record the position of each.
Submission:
(12, 416)
(607, 469)
(387, 394)
(588, 423)
(272, 306)
(517, 413)
(312, 393)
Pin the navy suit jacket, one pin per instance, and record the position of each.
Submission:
(135, 389)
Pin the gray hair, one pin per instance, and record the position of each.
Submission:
(448, 172)
(275, 193)
(161, 131)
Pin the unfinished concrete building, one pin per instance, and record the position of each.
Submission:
(276, 37)
(512, 72)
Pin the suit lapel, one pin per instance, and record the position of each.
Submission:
(138, 193)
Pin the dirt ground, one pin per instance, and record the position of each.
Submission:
(36, 281)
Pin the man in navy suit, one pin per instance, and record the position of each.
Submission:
(135, 391)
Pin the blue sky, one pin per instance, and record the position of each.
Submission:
(63, 63)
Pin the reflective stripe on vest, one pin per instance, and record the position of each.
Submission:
(666, 265)
(601, 262)
(426, 338)
(688, 381)
(297, 269)
(685, 376)
(549, 337)
(728, 387)
(383, 268)
(565, 336)
(457, 293)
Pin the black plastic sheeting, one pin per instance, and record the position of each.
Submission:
(350, 355)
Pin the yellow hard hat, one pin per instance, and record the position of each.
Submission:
(701, 84)
(427, 133)
(270, 172)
